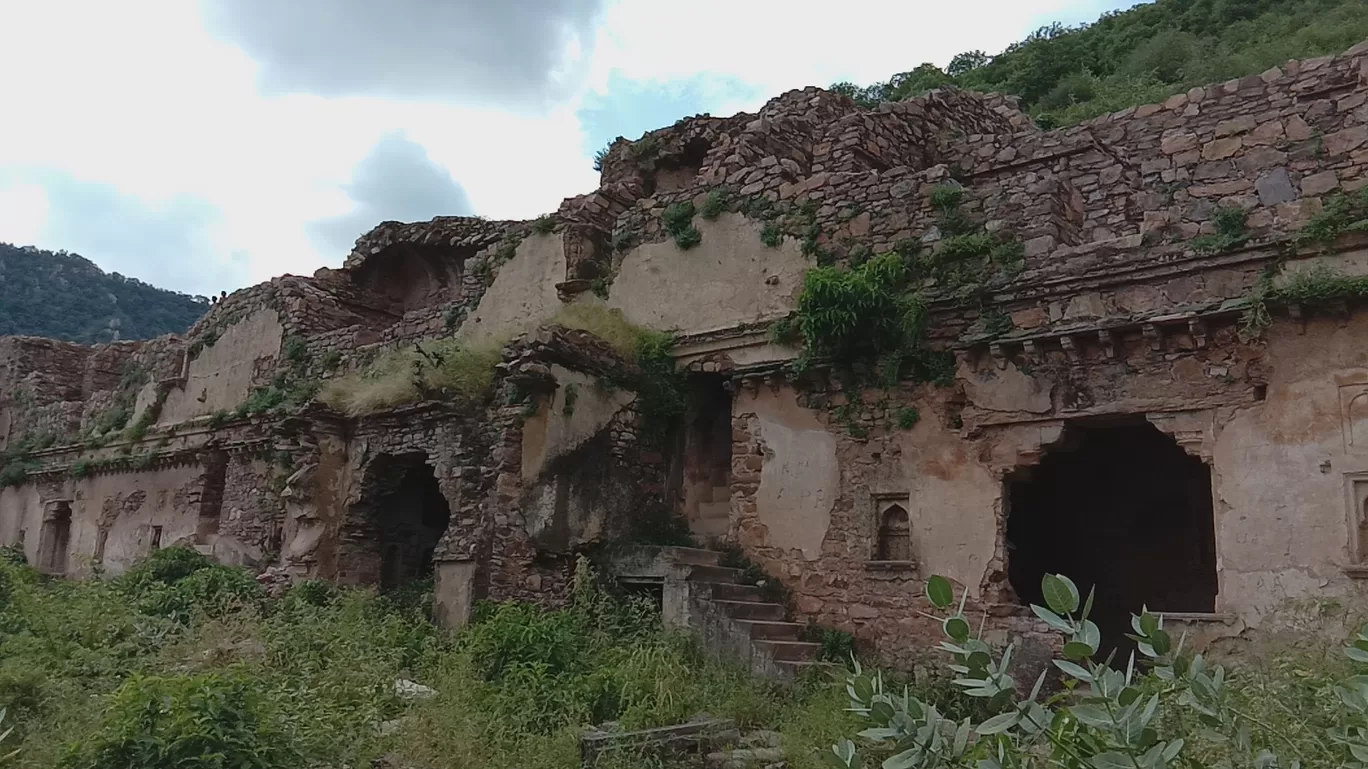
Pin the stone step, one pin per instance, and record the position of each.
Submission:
(693, 556)
(798, 668)
(720, 574)
(796, 651)
(771, 631)
(722, 592)
(705, 528)
(763, 610)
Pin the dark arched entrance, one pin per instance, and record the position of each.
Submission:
(392, 532)
(1118, 506)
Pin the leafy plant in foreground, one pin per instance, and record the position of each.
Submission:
(1105, 717)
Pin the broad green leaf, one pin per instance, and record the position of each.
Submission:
(1356, 654)
(940, 592)
(1075, 650)
(999, 723)
(904, 760)
(1075, 670)
(1090, 715)
(957, 628)
(1058, 595)
(1111, 760)
(1053, 620)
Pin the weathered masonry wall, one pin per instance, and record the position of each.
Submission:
(1102, 397)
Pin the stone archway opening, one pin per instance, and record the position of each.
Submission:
(1118, 506)
(393, 531)
(706, 457)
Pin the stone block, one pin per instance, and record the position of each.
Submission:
(1175, 141)
(1319, 184)
(1221, 148)
(1275, 187)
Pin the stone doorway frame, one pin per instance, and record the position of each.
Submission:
(1194, 430)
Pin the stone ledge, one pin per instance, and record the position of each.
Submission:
(891, 566)
(1223, 618)
(1355, 571)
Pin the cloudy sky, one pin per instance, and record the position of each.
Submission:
(204, 145)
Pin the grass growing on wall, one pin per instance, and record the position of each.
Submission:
(405, 376)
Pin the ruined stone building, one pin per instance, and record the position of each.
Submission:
(1166, 395)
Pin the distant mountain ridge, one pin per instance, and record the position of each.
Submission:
(65, 296)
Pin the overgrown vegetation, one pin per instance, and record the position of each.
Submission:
(1342, 213)
(1316, 286)
(1138, 56)
(868, 320)
(430, 370)
(678, 222)
(1231, 231)
(113, 674)
(290, 389)
(1164, 706)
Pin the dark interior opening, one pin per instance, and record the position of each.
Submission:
(704, 460)
(55, 539)
(676, 172)
(408, 276)
(394, 531)
(1122, 508)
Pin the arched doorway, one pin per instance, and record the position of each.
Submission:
(391, 534)
(1120, 507)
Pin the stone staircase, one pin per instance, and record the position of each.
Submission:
(733, 619)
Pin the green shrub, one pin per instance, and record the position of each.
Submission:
(688, 238)
(210, 592)
(716, 203)
(908, 417)
(677, 216)
(544, 224)
(196, 722)
(771, 235)
(163, 567)
(1231, 231)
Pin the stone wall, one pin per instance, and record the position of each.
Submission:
(1118, 320)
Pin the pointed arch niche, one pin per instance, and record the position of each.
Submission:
(892, 548)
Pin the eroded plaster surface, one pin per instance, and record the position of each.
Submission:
(801, 477)
(579, 409)
(221, 376)
(1283, 520)
(728, 279)
(952, 497)
(523, 294)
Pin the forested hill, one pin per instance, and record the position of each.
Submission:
(65, 296)
(1068, 74)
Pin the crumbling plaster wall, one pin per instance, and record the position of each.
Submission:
(221, 376)
(21, 511)
(556, 429)
(523, 294)
(1284, 473)
(727, 280)
(130, 505)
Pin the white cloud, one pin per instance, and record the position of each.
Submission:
(141, 99)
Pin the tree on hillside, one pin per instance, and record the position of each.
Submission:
(65, 296)
(1064, 75)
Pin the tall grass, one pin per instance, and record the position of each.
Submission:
(108, 675)
(400, 377)
(608, 324)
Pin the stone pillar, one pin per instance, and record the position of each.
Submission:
(454, 593)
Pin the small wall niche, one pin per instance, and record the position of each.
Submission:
(892, 541)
